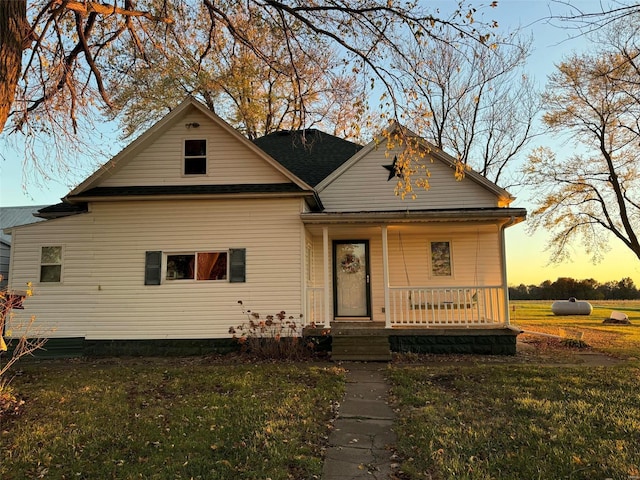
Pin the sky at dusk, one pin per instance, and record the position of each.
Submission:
(527, 261)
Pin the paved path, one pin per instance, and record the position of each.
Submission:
(358, 445)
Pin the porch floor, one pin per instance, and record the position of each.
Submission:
(379, 329)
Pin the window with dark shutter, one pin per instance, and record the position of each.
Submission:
(153, 268)
(237, 264)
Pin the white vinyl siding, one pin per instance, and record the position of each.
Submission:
(365, 187)
(103, 295)
(162, 161)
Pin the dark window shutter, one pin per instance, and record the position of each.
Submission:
(153, 268)
(237, 264)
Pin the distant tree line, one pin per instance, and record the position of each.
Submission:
(564, 288)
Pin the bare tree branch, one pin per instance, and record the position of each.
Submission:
(86, 8)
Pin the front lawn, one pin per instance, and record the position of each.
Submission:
(169, 419)
(526, 416)
(501, 421)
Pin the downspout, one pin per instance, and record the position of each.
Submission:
(506, 224)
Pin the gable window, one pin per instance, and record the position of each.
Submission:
(197, 266)
(195, 157)
(51, 264)
(440, 256)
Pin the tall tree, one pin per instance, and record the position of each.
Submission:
(70, 42)
(473, 102)
(594, 192)
(14, 32)
(303, 85)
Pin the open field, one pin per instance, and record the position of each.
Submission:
(622, 341)
(169, 419)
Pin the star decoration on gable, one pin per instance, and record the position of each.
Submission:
(394, 169)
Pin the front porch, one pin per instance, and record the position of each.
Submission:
(418, 286)
(423, 275)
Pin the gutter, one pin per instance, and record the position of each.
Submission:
(514, 216)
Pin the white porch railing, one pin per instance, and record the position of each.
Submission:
(447, 306)
(428, 307)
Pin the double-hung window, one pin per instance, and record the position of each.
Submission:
(51, 264)
(195, 157)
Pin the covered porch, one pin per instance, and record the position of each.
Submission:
(410, 271)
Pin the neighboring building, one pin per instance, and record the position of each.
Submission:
(11, 217)
(164, 240)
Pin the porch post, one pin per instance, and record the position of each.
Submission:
(505, 287)
(327, 285)
(385, 277)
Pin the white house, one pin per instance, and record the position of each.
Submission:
(162, 242)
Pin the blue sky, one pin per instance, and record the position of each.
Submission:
(527, 260)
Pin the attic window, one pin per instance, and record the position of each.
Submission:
(195, 157)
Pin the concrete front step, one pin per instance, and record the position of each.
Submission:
(361, 358)
(360, 347)
(359, 329)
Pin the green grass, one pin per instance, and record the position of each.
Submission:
(501, 421)
(489, 419)
(481, 418)
(617, 340)
(169, 419)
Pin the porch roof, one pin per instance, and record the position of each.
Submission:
(514, 215)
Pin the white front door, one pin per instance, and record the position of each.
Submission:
(351, 278)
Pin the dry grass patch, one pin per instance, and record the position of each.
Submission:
(170, 419)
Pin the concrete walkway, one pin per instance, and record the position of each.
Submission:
(358, 445)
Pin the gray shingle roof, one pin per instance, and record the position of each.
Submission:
(310, 154)
(62, 209)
